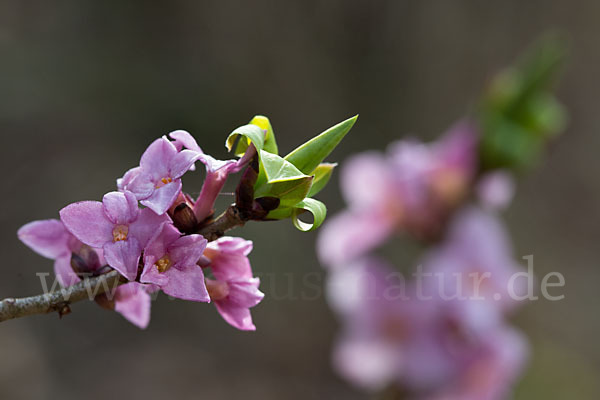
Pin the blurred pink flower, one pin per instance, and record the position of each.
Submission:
(234, 289)
(496, 189)
(472, 270)
(413, 189)
(170, 263)
(116, 225)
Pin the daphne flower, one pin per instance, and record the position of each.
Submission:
(473, 269)
(217, 172)
(157, 181)
(170, 262)
(412, 189)
(489, 372)
(116, 225)
(51, 239)
(234, 290)
(496, 190)
(387, 331)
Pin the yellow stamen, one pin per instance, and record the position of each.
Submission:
(164, 181)
(120, 233)
(163, 264)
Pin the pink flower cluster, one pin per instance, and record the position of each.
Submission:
(153, 246)
(442, 332)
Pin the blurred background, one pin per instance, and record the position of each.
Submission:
(85, 86)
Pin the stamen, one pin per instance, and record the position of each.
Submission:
(120, 233)
(163, 181)
(163, 264)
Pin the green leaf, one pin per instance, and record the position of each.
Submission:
(322, 175)
(316, 208)
(263, 122)
(309, 155)
(248, 134)
(283, 180)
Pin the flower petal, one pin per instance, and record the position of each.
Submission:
(238, 317)
(146, 226)
(64, 272)
(48, 238)
(351, 234)
(133, 302)
(182, 162)
(187, 283)
(120, 207)
(124, 256)
(142, 185)
(184, 139)
(163, 198)
(129, 176)
(187, 250)
(87, 221)
(157, 157)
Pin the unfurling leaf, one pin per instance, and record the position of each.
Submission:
(263, 122)
(309, 155)
(247, 134)
(322, 175)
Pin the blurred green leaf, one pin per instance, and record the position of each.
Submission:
(322, 175)
(309, 155)
(519, 113)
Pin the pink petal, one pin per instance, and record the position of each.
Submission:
(187, 250)
(48, 238)
(163, 198)
(157, 157)
(124, 256)
(64, 272)
(237, 317)
(232, 245)
(120, 207)
(184, 139)
(187, 283)
(133, 302)
(351, 234)
(142, 185)
(366, 180)
(227, 267)
(182, 162)
(146, 226)
(496, 190)
(235, 307)
(151, 273)
(160, 242)
(87, 221)
(129, 176)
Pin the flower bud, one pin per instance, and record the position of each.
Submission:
(184, 218)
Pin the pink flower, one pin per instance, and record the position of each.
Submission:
(411, 189)
(234, 290)
(116, 225)
(157, 181)
(51, 239)
(217, 172)
(170, 262)
(490, 372)
(476, 263)
(496, 190)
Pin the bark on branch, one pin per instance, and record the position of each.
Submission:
(88, 288)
